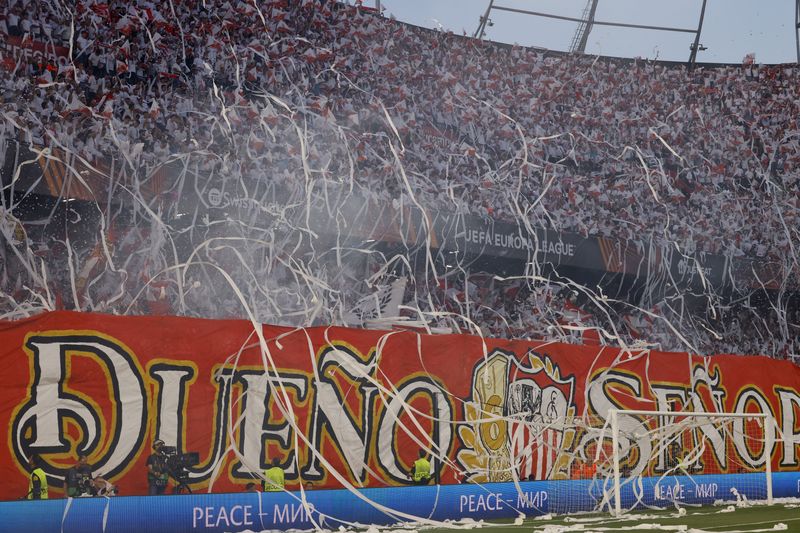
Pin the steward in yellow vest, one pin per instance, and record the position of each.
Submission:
(37, 482)
(421, 473)
(273, 477)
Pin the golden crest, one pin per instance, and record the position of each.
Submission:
(515, 423)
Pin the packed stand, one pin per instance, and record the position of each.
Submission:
(281, 96)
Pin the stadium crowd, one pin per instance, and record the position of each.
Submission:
(547, 310)
(284, 95)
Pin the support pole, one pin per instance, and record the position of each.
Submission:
(589, 23)
(769, 427)
(696, 43)
(615, 447)
(484, 19)
(797, 28)
(437, 464)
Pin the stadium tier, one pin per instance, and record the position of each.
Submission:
(200, 131)
(299, 230)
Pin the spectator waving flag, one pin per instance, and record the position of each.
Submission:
(383, 303)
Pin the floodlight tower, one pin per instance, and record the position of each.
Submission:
(797, 28)
(578, 44)
(696, 46)
(587, 21)
(485, 20)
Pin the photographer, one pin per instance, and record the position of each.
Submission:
(79, 478)
(157, 473)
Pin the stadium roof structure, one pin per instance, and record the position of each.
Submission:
(587, 21)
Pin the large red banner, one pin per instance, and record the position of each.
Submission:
(342, 406)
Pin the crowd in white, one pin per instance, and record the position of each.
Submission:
(571, 313)
(291, 94)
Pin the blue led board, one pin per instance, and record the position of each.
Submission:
(331, 508)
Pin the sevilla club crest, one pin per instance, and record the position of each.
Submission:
(518, 422)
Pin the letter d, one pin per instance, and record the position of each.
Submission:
(49, 404)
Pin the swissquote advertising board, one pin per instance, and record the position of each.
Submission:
(343, 402)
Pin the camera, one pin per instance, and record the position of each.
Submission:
(177, 464)
(79, 481)
(85, 485)
(179, 461)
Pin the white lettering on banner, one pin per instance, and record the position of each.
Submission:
(711, 433)
(348, 430)
(789, 401)
(706, 490)
(290, 513)
(602, 403)
(172, 424)
(475, 503)
(331, 412)
(49, 405)
(665, 394)
(708, 431)
(219, 199)
(692, 268)
(516, 241)
(215, 517)
(670, 491)
(388, 425)
(531, 500)
(171, 400)
(742, 444)
(558, 248)
(255, 432)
